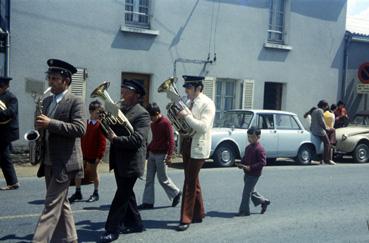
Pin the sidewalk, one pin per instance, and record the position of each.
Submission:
(28, 170)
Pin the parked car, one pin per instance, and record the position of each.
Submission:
(282, 135)
(354, 139)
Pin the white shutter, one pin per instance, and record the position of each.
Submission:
(209, 87)
(248, 94)
(78, 86)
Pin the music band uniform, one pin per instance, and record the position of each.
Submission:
(9, 130)
(63, 158)
(194, 151)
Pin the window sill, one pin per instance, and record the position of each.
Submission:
(277, 46)
(131, 29)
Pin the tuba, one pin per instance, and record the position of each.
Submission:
(3, 108)
(36, 138)
(112, 118)
(175, 107)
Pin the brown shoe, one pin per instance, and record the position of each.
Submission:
(264, 206)
(10, 187)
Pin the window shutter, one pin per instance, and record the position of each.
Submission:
(78, 86)
(248, 94)
(209, 87)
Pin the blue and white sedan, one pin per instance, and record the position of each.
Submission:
(282, 135)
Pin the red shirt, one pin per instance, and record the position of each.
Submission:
(162, 137)
(255, 157)
(93, 142)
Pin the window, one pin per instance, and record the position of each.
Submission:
(137, 13)
(276, 27)
(265, 121)
(225, 96)
(284, 122)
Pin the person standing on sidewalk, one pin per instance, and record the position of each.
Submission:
(319, 128)
(252, 164)
(93, 149)
(9, 130)
(160, 152)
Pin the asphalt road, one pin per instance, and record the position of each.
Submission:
(309, 204)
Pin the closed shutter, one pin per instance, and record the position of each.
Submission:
(78, 86)
(209, 87)
(248, 94)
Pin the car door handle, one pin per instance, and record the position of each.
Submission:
(273, 131)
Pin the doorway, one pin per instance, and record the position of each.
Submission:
(273, 96)
(144, 79)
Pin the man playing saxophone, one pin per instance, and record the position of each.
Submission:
(62, 119)
(9, 130)
(195, 149)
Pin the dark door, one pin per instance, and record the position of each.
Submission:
(273, 96)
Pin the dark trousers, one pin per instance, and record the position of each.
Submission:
(249, 191)
(327, 148)
(192, 204)
(6, 164)
(123, 209)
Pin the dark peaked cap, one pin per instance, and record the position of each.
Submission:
(5, 80)
(56, 65)
(192, 81)
(134, 85)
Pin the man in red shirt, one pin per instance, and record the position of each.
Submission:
(160, 155)
(93, 148)
(252, 164)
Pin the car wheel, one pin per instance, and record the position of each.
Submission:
(304, 155)
(361, 153)
(225, 155)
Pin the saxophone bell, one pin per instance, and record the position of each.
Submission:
(32, 135)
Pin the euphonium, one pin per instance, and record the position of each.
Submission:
(177, 105)
(3, 108)
(36, 137)
(112, 118)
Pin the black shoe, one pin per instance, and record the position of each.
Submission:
(196, 220)
(146, 206)
(93, 198)
(264, 206)
(183, 227)
(133, 229)
(75, 197)
(176, 199)
(108, 237)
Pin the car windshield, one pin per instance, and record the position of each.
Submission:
(360, 120)
(236, 119)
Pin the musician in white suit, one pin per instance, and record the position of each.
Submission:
(195, 149)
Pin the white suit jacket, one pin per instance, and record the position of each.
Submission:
(201, 120)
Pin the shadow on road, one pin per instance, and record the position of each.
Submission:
(218, 214)
(26, 238)
(160, 224)
(37, 202)
(101, 207)
(90, 231)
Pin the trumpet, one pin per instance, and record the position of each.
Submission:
(3, 108)
(112, 118)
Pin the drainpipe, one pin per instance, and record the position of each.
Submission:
(7, 50)
(348, 37)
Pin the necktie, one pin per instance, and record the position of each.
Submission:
(51, 109)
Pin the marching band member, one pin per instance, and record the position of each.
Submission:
(127, 159)
(195, 149)
(63, 120)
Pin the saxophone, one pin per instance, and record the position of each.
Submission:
(36, 137)
(174, 107)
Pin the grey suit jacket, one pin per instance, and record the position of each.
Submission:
(318, 126)
(65, 130)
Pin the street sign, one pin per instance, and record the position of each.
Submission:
(363, 73)
(362, 88)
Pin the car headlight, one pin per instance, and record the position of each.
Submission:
(344, 137)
